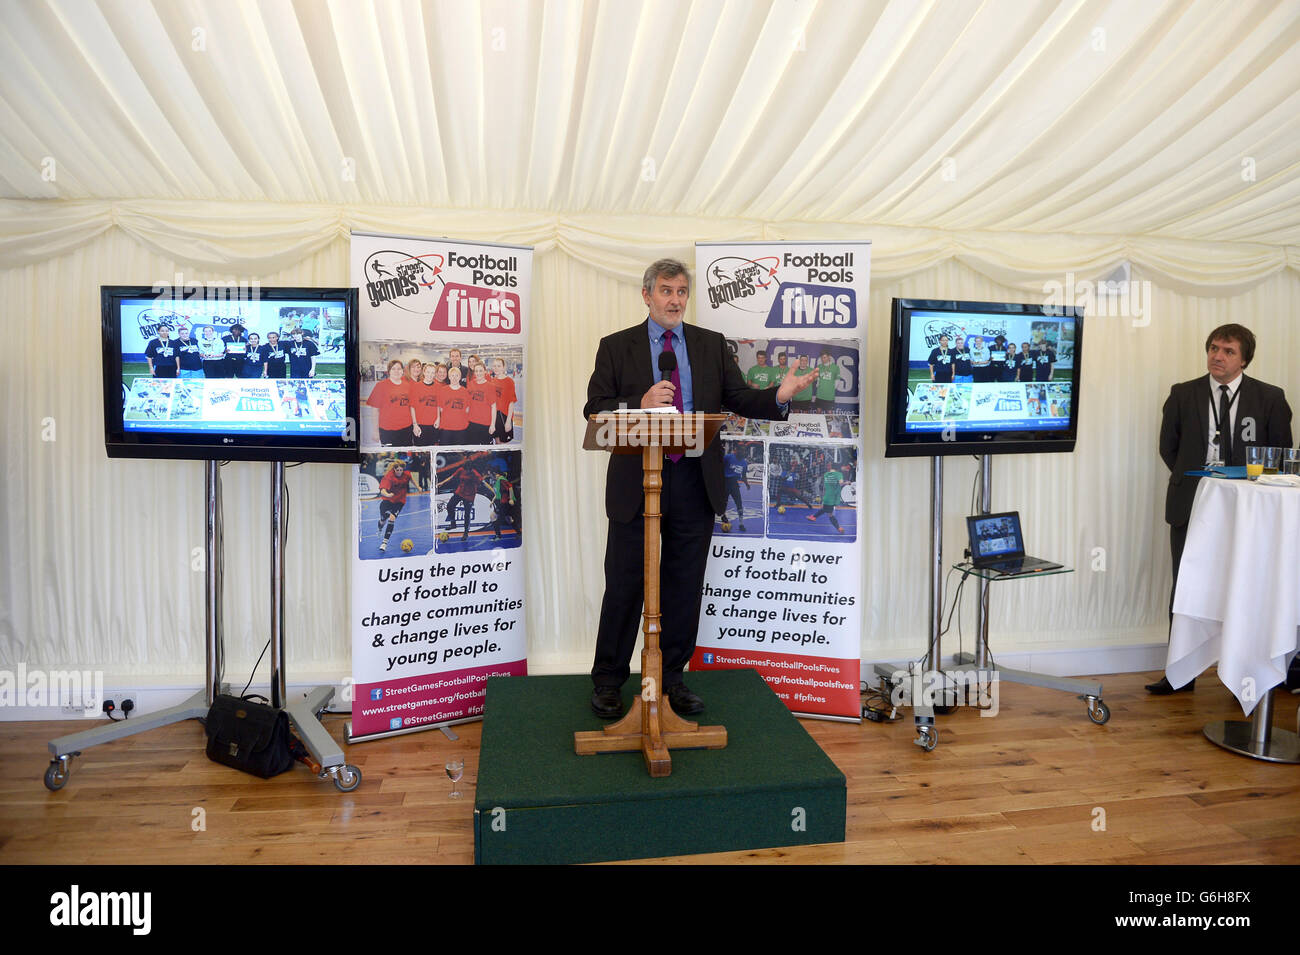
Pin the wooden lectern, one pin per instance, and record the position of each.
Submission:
(650, 725)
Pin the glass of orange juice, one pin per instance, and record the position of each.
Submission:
(1255, 461)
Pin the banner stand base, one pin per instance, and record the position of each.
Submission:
(347, 728)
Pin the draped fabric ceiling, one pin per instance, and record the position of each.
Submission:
(986, 148)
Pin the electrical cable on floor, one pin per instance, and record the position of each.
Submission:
(877, 706)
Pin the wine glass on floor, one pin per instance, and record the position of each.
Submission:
(455, 770)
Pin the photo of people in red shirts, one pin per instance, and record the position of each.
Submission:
(423, 394)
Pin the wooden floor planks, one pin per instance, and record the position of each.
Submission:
(1028, 786)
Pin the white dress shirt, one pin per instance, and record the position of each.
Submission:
(1211, 445)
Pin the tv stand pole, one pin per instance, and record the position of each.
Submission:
(304, 714)
(326, 754)
(923, 708)
(63, 749)
(981, 657)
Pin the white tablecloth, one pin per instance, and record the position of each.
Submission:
(1238, 597)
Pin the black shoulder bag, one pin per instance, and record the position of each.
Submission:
(248, 736)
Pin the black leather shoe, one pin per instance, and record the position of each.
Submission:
(607, 702)
(1163, 688)
(684, 702)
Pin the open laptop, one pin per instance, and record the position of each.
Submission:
(996, 544)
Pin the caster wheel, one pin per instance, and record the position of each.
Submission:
(1098, 712)
(928, 739)
(347, 779)
(57, 775)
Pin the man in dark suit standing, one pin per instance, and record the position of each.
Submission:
(1214, 418)
(627, 375)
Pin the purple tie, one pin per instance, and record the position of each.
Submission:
(676, 379)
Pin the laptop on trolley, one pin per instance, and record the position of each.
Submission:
(998, 545)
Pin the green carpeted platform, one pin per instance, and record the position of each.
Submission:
(539, 802)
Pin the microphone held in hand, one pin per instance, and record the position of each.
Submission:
(668, 373)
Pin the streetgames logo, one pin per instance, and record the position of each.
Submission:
(744, 284)
(936, 327)
(409, 282)
(148, 320)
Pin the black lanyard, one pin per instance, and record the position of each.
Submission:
(1214, 407)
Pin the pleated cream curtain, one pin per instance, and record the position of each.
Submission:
(260, 238)
(104, 564)
(986, 147)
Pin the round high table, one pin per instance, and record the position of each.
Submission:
(1238, 604)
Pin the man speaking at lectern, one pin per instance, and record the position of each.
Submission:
(629, 374)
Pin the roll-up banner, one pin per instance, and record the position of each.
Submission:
(782, 590)
(437, 574)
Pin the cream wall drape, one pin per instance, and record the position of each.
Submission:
(986, 147)
(102, 556)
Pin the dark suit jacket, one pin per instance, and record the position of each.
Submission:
(623, 374)
(1186, 425)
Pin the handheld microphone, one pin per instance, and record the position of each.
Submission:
(667, 363)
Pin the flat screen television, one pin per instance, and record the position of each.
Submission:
(959, 381)
(244, 374)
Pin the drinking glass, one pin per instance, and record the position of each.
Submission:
(455, 770)
(1291, 461)
(1273, 460)
(1254, 462)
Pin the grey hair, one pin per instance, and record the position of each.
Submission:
(665, 268)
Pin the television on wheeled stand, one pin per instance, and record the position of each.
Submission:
(221, 374)
(980, 378)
